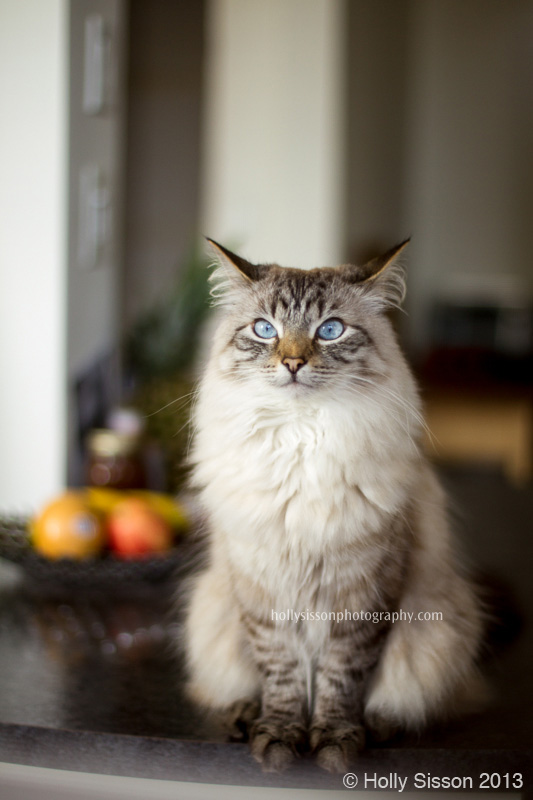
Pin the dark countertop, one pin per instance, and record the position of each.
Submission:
(91, 678)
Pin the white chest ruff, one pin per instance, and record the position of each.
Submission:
(284, 485)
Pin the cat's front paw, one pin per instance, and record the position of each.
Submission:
(275, 744)
(336, 744)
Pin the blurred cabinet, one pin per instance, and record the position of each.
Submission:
(478, 386)
(482, 429)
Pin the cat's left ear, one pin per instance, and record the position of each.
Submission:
(383, 277)
(236, 267)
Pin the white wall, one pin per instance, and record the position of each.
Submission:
(33, 219)
(274, 129)
(55, 317)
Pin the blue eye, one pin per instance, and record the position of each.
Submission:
(264, 329)
(330, 329)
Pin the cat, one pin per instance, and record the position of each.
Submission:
(319, 500)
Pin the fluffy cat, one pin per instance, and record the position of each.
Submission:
(318, 498)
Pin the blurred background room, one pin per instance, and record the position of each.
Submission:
(303, 132)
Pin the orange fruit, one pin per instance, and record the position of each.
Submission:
(68, 528)
(135, 530)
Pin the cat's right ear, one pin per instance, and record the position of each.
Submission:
(382, 278)
(236, 268)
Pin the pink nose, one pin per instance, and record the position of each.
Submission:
(293, 364)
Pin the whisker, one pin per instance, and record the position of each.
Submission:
(403, 402)
(181, 399)
(350, 382)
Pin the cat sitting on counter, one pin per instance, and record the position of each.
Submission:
(326, 524)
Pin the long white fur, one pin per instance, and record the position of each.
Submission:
(284, 477)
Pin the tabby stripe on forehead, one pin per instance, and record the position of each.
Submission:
(297, 288)
(274, 306)
(307, 305)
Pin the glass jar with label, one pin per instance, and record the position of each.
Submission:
(115, 460)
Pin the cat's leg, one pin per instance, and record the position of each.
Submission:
(279, 733)
(222, 673)
(342, 672)
(239, 717)
(427, 670)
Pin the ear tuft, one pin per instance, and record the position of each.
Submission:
(382, 278)
(232, 271)
(252, 272)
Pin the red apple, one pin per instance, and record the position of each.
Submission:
(136, 531)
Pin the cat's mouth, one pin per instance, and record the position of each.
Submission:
(295, 383)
